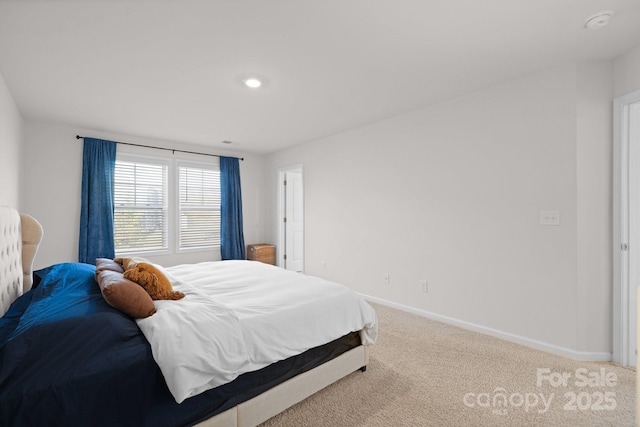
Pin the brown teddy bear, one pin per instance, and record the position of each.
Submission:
(149, 277)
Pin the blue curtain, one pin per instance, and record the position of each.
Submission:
(232, 236)
(96, 211)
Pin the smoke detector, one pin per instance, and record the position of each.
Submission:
(598, 20)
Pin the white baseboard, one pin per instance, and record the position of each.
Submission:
(540, 345)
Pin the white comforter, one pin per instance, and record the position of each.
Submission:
(240, 316)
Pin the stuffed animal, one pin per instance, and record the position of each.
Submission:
(149, 277)
(151, 283)
(129, 263)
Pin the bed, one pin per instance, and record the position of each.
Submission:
(69, 358)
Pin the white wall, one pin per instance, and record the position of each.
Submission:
(452, 193)
(627, 72)
(10, 140)
(53, 179)
(594, 155)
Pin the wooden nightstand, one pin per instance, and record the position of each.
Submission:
(262, 252)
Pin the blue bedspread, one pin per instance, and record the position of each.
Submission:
(67, 358)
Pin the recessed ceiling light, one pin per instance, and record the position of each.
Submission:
(253, 83)
(598, 20)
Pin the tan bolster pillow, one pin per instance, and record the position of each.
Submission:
(125, 295)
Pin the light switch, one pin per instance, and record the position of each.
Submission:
(549, 217)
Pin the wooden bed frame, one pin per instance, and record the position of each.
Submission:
(20, 236)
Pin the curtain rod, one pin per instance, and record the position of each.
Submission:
(168, 149)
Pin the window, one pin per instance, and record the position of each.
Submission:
(140, 206)
(158, 199)
(199, 207)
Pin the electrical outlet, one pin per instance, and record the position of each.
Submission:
(424, 286)
(386, 278)
(549, 217)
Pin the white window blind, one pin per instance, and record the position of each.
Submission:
(140, 206)
(198, 206)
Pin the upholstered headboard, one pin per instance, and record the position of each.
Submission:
(20, 236)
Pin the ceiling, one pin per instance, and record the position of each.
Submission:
(173, 70)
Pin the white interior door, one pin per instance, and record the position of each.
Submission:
(626, 250)
(291, 218)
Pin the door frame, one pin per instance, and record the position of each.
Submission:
(626, 176)
(281, 212)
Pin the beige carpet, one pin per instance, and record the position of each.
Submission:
(425, 373)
